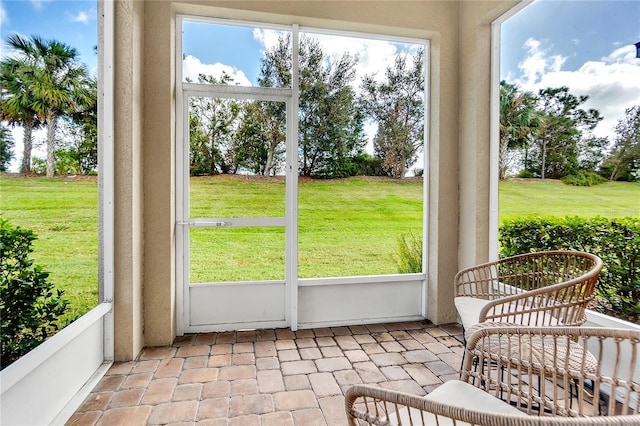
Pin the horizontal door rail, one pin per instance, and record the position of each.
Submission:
(234, 222)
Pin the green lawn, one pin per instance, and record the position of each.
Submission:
(347, 227)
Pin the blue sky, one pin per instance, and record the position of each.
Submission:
(72, 22)
(586, 45)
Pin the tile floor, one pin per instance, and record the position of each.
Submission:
(271, 377)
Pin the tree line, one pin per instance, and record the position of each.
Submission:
(550, 135)
(236, 136)
(44, 84)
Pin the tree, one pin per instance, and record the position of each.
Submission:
(397, 106)
(330, 130)
(61, 82)
(563, 123)
(17, 99)
(79, 137)
(212, 122)
(624, 160)
(260, 139)
(518, 118)
(6, 148)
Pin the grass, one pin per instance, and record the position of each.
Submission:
(346, 227)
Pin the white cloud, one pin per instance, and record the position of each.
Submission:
(83, 16)
(192, 67)
(4, 18)
(611, 83)
(372, 56)
(39, 4)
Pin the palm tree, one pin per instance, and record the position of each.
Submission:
(61, 82)
(518, 118)
(16, 103)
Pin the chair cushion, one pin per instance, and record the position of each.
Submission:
(459, 393)
(469, 310)
(455, 393)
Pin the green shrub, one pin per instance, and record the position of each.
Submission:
(584, 179)
(29, 306)
(409, 255)
(616, 241)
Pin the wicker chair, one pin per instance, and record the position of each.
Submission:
(500, 387)
(551, 288)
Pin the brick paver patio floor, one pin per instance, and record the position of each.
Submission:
(271, 377)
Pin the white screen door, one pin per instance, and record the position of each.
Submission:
(236, 221)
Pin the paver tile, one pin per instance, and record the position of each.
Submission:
(243, 359)
(240, 348)
(244, 387)
(294, 400)
(199, 375)
(289, 355)
(171, 367)
(126, 398)
(213, 408)
(368, 372)
(309, 417)
(322, 332)
(297, 367)
(88, 418)
(395, 372)
(421, 355)
(172, 412)
(267, 363)
(110, 383)
(347, 378)
(187, 351)
(306, 343)
(139, 380)
(278, 418)
(125, 416)
(310, 353)
(186, 392)
(234, 372)
(221, 360)
(222, 349)
(270, 381)
(326, 341)
(250, 420)
(331, 351)
(161, 352)
(324, 384)
(356, 355)
(218, 389)
(250, 404)
(195, 362)
(296, 382)
(159, 391)
(407, 386)
(265, 349)
(333, 364)
(421, 374)
(148, 366)
(283, 345)
(96, 401)
(385, 359)
(333, 409)
(120, 368)
(347, 343)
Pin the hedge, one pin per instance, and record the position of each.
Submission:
(615, 241)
